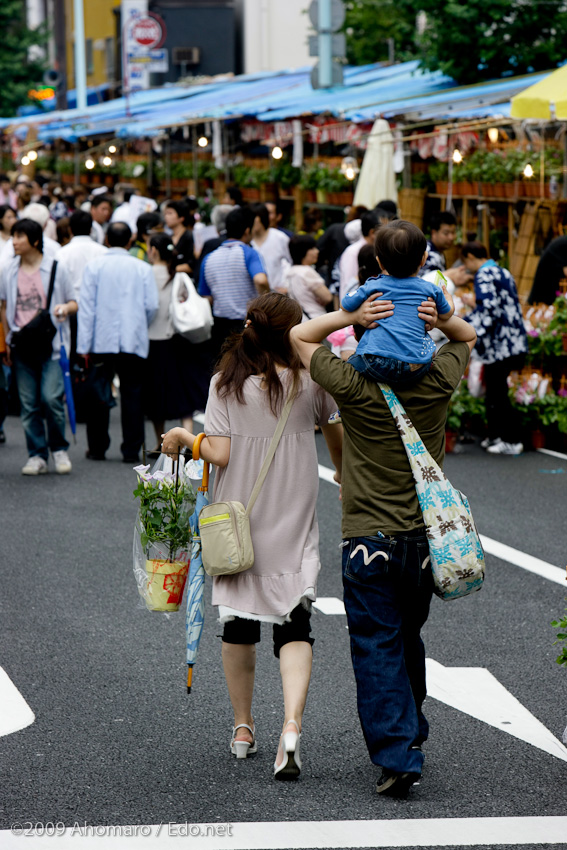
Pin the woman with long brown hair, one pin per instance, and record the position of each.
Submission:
(257, 371)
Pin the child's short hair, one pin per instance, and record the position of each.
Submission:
(400, 246)
(476, 249)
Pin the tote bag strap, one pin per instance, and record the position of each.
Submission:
(271, 451)
(425, 469)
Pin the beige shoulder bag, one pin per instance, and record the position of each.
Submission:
(226, 542)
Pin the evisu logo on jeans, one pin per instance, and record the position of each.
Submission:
(369, 558)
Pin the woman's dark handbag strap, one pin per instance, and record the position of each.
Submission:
(51, 284)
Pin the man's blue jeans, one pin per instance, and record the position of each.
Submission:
(41, 394)
(387, 592)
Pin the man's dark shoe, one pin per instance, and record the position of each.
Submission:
(393, 784)
(2, 435)
(91, 456)
(132, 459)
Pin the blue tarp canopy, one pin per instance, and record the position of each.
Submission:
(369, 91)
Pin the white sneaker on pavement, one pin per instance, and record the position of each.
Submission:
(490, 442)
(36, 465)
(503, 448)
(62, 463)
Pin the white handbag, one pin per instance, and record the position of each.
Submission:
(191, 316)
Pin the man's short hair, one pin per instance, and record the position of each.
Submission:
(37, 212)
(261, 211)
(101, 199)
(238, 221)
(400, 247)
(81, 223)
(235, 194)
(146, 222)
(443, 218)
(369, 222)
(32, 229)
(299, 246)
(474, 249)
(118, 234)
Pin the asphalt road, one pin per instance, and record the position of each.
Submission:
(116, 738)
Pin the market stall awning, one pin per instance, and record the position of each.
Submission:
(546, 99)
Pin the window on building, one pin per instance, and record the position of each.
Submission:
(89, 55)
(109, 58)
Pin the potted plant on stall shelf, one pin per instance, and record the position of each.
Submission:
(163, 533)
(247, 181)
(439, 173)
(310, 181)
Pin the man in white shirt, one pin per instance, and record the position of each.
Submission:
(348, 263)
(74, 256)
(119, 299)
(272, 245)
(124, 211)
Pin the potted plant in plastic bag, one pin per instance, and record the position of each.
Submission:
(162, 535)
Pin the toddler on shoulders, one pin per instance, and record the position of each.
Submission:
(398, 351)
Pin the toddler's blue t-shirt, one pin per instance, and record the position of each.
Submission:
(401, 336)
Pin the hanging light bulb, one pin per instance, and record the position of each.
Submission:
(457, 156)
(107, 160)
(277, 152)
(32, 156)
(203, 142)
(528, 170)
(90, 164)
(493, 134)
(349, 167)
(25, 160)
(112, 149)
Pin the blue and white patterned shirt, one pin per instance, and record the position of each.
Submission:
(227, 274)
(497, 317)
(435, 260)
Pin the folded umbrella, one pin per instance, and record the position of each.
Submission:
(196, 584)
(68, 384)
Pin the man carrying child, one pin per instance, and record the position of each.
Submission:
(387, 576)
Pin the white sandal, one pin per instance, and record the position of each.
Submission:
(242, 749)
(290, 767)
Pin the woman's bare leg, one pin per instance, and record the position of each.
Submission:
(239, 662)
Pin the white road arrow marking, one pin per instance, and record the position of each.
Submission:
(15, 713)
(475, 691)
(330, 605)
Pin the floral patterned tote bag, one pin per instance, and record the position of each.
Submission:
(457, 557)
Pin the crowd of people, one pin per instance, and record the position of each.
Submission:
(318, 317)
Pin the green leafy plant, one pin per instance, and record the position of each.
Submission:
(312, 176)
(284, 174)
(465, 410)
(166, 503)
(561, 638)
(438, 171)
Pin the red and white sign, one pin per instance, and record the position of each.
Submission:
(148, 32)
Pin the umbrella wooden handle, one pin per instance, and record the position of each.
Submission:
(196, 456)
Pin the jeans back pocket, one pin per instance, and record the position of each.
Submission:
(366, 559)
